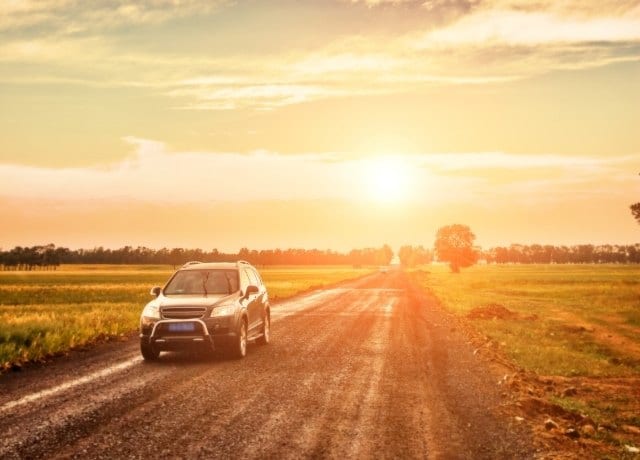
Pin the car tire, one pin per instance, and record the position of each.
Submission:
(265, 338)
(148, 351)
(239, 347)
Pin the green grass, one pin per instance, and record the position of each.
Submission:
(45, 313)
(586, 315)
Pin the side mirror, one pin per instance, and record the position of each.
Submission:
(155, 291)
(251, 289)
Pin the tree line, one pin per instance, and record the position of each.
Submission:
(577, 254)
(410, 256)
(49, 257)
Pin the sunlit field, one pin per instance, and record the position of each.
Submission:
(44, 313)
(573, 325)
(565, 319)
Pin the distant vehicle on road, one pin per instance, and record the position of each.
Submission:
(207, 306)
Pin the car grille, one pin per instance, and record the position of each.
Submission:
(183, 312)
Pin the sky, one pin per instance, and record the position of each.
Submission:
(318, 123)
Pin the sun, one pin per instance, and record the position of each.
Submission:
(387, 179)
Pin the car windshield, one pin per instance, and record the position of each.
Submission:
(203, 282)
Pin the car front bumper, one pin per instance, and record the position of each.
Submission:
(177, 334)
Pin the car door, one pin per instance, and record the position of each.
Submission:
(245, 281)
(253, 301)
(263, 298)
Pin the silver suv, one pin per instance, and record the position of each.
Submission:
(207, 306)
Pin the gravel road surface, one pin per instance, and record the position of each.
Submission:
(369, 369)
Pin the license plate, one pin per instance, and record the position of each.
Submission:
(182, 327)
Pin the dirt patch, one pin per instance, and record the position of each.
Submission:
(575, 328)
(492, 311)
(608, 334)
(576, 417)
(579, 417)
(533, 406)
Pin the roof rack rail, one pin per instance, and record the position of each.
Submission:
(192, 262)
(243, 262)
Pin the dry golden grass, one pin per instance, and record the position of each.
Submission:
(574, 329)
(568, 319)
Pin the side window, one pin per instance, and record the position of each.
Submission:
(257, 275)
(252, 277)
(244, 279)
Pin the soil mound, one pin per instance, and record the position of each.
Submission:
(492, 311)
(538, 406)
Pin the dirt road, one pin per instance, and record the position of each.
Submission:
(371, 369)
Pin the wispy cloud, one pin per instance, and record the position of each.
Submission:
(73, 16)
(386, 2)
(266, 96)
(499, 160)
(466, 43)
(534, 28)
(205, 176)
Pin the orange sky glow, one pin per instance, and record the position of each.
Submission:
(327, 124)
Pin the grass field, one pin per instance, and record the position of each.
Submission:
(568, 319)
(44, 313)
(575, 325)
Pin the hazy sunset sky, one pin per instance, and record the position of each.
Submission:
(318, 123)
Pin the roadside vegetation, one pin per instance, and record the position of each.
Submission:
(564, 320)
(49, 312)
(575, 328)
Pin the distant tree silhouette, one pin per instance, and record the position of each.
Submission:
(579, 254)
(384, 255)
(49, 257)
(635, 210)
(454, 244)
(410, 256)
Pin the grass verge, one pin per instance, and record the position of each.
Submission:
(551, 319)
(573, 332)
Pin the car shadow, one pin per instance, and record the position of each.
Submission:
(196, 357)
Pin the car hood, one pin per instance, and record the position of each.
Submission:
(191, 301)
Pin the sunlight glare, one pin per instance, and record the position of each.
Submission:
(387, 179)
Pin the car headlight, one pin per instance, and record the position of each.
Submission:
(223, 310)
(151, 311)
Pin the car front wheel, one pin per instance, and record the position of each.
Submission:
(239, 348)
(149, 352)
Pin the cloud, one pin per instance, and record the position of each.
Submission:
(534, 28)
(576, 8)
(426, 5)
(155, 173)
(72, 16)
(500, 160)
(386, 2)
(459, 42)
(267, 96)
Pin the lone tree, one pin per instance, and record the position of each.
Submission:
(454, 244)
(635, 210)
